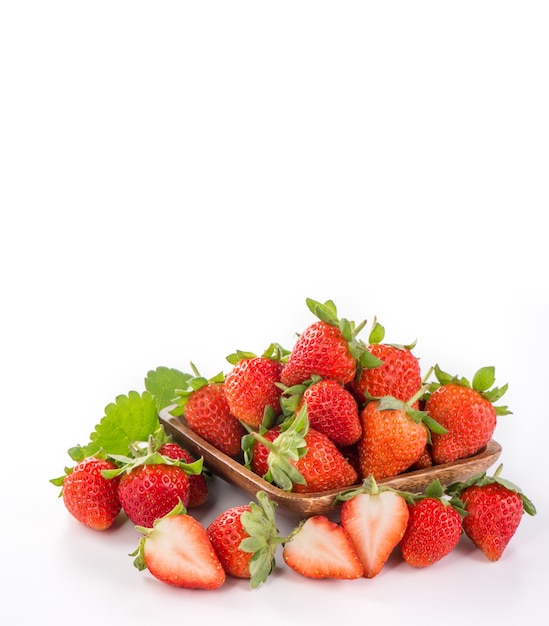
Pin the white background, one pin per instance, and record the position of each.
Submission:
(176, 178)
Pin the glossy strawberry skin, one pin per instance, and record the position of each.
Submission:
(149, 492)
(89, 497)
(469, 419)
(391, 442)
(320, 350)
(332, 410)
(198, 487)
(250, 387)
(493, 516)
(225, 533)
(207, 413)
(433, 531)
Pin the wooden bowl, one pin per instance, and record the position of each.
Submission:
(309, 504)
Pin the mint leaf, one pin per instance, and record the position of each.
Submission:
(163, 382)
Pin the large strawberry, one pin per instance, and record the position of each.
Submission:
(394, 436)
(89, 497)
(177, 551)
(398, 373)
(245, 539)
(251, 385)
(198, 486)
(494, 509)
(434, 528)
(328, 348)
(466, 411)
(331, 408)
(375, 518)
(207, 413)
(320, 548)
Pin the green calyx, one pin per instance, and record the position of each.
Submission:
(377, 335)
(370, 487)
(435, 491)
(483, 382)
(275, 352)
(260, 524)
(479, 480)
(193, 383)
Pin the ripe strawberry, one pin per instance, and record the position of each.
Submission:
(320, 548)
(375, 519)
(177, 551)
(207, 413)
(494, 509)
(88, 496)
(198, 487)
(398, 373)
(327, 348)
(251, 386)
(331, 409)
(298, 458)
(466, 411)
(394, 437)
(434, 528)
(245, 539)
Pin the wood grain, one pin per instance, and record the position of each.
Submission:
(305, 505)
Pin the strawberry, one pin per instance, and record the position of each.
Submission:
(207, 413)
(434, 528)
(177, 551)
(494, 509)
(198, 487)
(327, 348)
(245, 539)
(394, 436)
(88, 496)
(298, 458)
(320, 548)
(251, 385)
(375, 518)
(331, 409)
(466, 411)
(397, 374)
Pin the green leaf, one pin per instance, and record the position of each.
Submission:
(162, 383)
(377, 334)
(484, 378)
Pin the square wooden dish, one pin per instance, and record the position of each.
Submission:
(306, 505)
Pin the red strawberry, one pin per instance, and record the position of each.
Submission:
(88, 496)
(375, 519)
(394, 437)
(251, 385)
(207, 413)
(466, 411)
(320, 548)
(198, 487)
(434, 528)
(494, 509)
(398, 373)
(245, 539)
(327, 348)
(177, 551)
(331, 409)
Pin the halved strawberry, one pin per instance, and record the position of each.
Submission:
(320, 548)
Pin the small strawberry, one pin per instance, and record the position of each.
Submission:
(331, 409)
(375, 518)
(434, 528)
(394, 436)
(466, 411)
(245, 539)
(494, 509)
(320, 548)
(88, 496)
(251, 385)
(398, 373)
(207, 413)
(177, 551)
(327, 348)
(198, 486)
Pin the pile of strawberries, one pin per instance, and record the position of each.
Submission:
(334, 413)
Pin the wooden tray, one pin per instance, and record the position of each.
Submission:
(306, 505)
